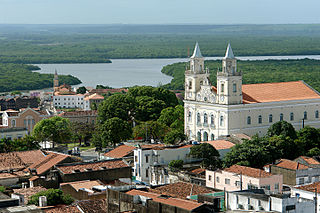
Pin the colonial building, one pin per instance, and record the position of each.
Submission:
(232, 108)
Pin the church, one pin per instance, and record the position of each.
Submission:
(233, 108)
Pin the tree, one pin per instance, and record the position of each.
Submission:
(82, 90)
(282, 128)
(285, 146)
(314, 152)
(112, 131)
(82, 131)
(175, 165)
(208, 154)
(308, 138)
(54, 197)
(173, 117)
(56, 129)
(152, 129)
(174, 136)
(148, 108)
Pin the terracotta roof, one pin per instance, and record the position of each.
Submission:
(180, 203)
(95, 166)
(282, 91)
(11, 161)
(94, 96)
(310, 187)
(289, 164)
(309, 160)
(63, 209)
(151, 146)
(248, 171)
(198, 171)
(120, 151)
(185, 146)
(12, 114)
(93, 206)
(79, 113)
(30, 157)
(220, 144)
(51, 160)
(28, 192)
(181, 190)
(12, 175)
(88, 184)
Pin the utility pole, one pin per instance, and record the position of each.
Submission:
(241, 181)
(302, 122)
(315, 200)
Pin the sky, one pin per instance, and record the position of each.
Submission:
(159, 11)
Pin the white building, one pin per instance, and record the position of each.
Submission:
(68, 101)
(232, 108)
(145, 158)
(310, 192)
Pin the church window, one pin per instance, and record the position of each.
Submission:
(212, 137)
(198, 118)
(270, 118)
(205, 136)
(199, 136)
(212, 120)
(221, 120)
(316, 114)
(305, 115)
(248, 120)
(234, 87)
(189, 116)
(13, 123)
(260, 119)
(291, 116)
(281, 116)
(205, 118)
(222, 87)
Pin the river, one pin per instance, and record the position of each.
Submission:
(130, 72)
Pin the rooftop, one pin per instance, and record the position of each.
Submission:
(220, 144)
(181, 190)
(310, 187)
(31, 157)
(94, 96)
(79, 113)
(63, 209)
(11, 161)
(196, 52)
(94, 166)
(309, 160)
(120, 151)
(88, 184)
(198, 171)
(183, 204)
(93, 206)
(248, 171)
(289, 164)
(28, 192)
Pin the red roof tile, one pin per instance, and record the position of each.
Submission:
(28, 192)
(11, 161)
(310, 187)
(120, 151)
(198, 171)
(310, 160)
(93, 206)
(220, 144)
(183, 204)
(30, 157)
(63, 209)
(289, 164)
(248, 171)
(88, 184)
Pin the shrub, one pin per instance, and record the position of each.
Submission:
(54, 197)
(176, 164)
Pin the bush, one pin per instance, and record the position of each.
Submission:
(54, 197)
(2, 189)
(176, 164)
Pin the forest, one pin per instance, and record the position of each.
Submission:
(255, 72)
(20, 77)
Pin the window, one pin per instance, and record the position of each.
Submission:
(301, 181)
(198, 118)
(234, 87)
(147, 173)
(227, 181)
(13, 123)
(199, 136)
(212, 120)
(276, 186)
(209, 177)
(189, 116)
(205, 118)
(281, 116)
(136, 158)
(291, 116)
(221, 120)
(190, 84)
(305, 115)
(270, 118)
(218, 179)
(316, 114)
(147, 159)
(260, 119)
(205, 136)
(222, 87)
(212, 137)
(249, 120)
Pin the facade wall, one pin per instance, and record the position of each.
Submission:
(305, 194)
(68, 101)
(234, 201)
(13, 134)
(82, 195)
(289, 176)
(307, 176)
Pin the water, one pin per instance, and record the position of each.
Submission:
(130, 72)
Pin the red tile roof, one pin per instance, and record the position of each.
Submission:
(28, 192)
(183, 204)
(120, 151)
(220, 144)
(30, 157)
(310, 160)
(63, 209)
(11, 161)
(93, 206)
(289, 164)
(88, 184)
(310, 187)
(181, 190)
(198, 171)
(94, 96)
(95, 166)
(12, 175)
(248, 171)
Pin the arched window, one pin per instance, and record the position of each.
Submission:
(316, 114)
(212, 119)
(291, 116)
(248, 120)
(190, 84)
(234, 87)
(270, 118)
(205, 118)
(281, 116)
(212, 137)
(199, 136)
(222, 87)
(198, 118)
(13, 123)
(221, 120)
(189, 116)
(305, 115)
(205, 136)
(260, 119)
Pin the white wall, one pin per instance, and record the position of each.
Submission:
(68, 101)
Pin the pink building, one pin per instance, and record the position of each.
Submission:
(241, 177)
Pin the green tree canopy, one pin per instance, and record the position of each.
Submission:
(54, 197)
(82, 90)
(173, 117)
(282, 128)
(174, 136)
(175, 165)
(150, 129)
(208, 154)
(148, 108)
(314, 152)
(308, 138)
(56, 129)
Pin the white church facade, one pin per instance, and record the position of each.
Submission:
(233, 108)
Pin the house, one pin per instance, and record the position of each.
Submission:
(85, 190)
(95, 99)
(222, 146)
(123, 151)
(256, 200)
(107, 170)
(81, 116)
(13, 132)
(235, 108)
(309, 191)
(239, 177)
(24, 194)
(294, 173)
(308, 161)
(147, 159)
(17, 103)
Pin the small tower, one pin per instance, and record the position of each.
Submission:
(229, 80)
(196, 75)
(55, 81)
